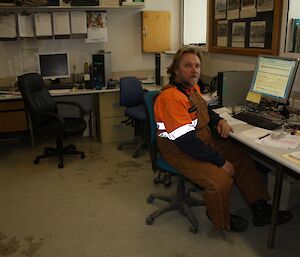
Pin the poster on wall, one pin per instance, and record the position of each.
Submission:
(222, 33)
(233, 9)
(238, 34)
(96, 27)
(265, 5)
(248, 8)
(257, 34)
(220, 9)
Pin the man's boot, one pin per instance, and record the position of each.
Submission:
(262, 212)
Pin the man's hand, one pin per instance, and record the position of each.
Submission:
(228, 167)
(223, 128)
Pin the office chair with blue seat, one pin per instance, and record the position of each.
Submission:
(45, 118)
(182, 201)
(131, 96)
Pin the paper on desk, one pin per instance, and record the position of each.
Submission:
(287, 142)
(293, 157)
(255, 132)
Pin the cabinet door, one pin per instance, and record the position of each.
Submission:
(156, 31)
(12, 116)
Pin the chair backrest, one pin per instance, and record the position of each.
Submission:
(157, 161)
(131, 92)
(151, 128)
(36, 97)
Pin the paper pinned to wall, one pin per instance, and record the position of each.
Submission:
(8, 26)
(25, 22)
(43, 24)
(61, 23)
(29, 57)
(78, 23)
(97, 27)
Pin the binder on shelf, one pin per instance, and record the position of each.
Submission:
(78, 25)
(8, 27)
(43, 25)
(61, 25)
(293, 35)
(26, 25)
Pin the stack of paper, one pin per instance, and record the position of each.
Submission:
(287, 142)
(294, 157)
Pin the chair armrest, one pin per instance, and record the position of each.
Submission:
(79, 106)
(56, 116)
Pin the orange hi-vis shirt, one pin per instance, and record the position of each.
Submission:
(171, 113)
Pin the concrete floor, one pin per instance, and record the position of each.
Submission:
(97, 207)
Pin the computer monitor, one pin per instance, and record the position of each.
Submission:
(54, 65)
(274, 77)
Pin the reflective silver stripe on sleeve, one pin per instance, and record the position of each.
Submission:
(160, 126)
(177, 132)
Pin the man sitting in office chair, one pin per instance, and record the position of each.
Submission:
(185, 141)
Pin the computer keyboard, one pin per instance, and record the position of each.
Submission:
(257, 121)
(60, 86)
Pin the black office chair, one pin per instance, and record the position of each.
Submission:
(131, 96)
(45, 118)
(182, 201)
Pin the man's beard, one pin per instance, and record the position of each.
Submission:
(188, 83)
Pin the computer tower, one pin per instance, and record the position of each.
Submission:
(233, 86)
(101, 69)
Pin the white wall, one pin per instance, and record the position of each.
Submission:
(124, 41)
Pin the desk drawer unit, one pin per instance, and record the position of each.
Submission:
(111, 116)
(12, 116)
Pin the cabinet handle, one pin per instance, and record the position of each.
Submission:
(145, 31)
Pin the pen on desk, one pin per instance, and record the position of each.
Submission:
(264, 136)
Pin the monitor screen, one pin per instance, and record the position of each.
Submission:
(274, 77)
(54, 65)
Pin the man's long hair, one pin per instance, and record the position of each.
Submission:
(177, 58)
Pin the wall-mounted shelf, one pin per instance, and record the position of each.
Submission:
(17, 9)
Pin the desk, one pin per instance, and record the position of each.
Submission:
(95, 106)
(280, 163)
(63, 93)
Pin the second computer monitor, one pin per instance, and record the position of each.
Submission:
(274, 77)
(54, 65)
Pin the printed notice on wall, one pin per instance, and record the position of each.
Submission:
(97, 27)
(238, 34)
(257, 34)
(222, 33)
(248, 9)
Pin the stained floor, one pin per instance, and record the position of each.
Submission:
(97, 207)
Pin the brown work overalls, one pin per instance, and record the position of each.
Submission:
(217, 184)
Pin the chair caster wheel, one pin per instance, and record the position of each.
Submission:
(149, 220)
(193, 229)
(60, 165)
(156, 181)
(119, 147)
(150, 199)
(167, 181)
(82, 156)
(36, 161)
(135, 155)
